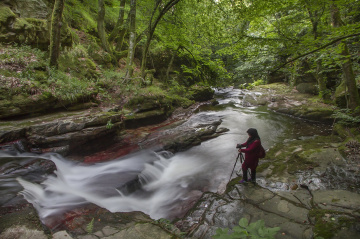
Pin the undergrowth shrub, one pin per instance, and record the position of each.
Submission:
(245, 230)
(66, 87)
(346, 117)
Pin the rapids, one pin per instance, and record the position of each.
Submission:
(167, 181)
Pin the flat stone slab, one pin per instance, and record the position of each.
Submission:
(339, 200)
(254, 203)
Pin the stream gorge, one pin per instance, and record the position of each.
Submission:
(196, 188)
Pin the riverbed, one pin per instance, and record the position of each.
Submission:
(170, 183)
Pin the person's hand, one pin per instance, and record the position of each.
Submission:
(239, 150)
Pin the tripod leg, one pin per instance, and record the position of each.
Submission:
(234, 166)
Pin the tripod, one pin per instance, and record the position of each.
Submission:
(238, 173)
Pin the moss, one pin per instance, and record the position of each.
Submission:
(82, 67)
(294, 156)
(21, 24)
(81, 15)
(327, 222)
(6, 14)
(200, 93)
(26, 217)
(298, 163)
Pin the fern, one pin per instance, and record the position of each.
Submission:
(90, 226)
(346, 117)
(109, 124)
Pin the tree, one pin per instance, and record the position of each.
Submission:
(120, 28)
(55, 34)
(101, 26)
(132, 40)
(153, 22)
(349, 77)
(315, 14)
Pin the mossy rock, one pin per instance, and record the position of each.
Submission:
(25, 217)
(29, 31)
(145, 118)
(307, 88)
(286, 159)
(22, 104)
(144, 103)
(340, 95)
(200, 93)
(40, 9)
(328, 223)
(6, 15)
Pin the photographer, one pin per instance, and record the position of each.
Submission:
(251, 150)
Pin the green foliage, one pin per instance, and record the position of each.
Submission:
(23, 55)
(251, 85)
(68, 88)
(109, 124)
(90, 226)
(245, 230)
(259, 82)
(347, 117)
(176, 88)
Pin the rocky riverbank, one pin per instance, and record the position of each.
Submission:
(307, 187)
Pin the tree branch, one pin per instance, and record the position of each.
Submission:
(313, 51)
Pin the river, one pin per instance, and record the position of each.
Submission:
(170, 182)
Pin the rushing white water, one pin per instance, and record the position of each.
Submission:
(166, 180)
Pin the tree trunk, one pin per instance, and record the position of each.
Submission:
(321, 79)
(120, 22)
(101, 26)
(151, 30)
(169, 67)
(55, 35)
(120, 40)
(349, 77)
(123, 31)
(132, 40)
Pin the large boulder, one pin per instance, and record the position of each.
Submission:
(200, 93)
(307, 88)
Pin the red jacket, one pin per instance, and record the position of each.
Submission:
(251, 154)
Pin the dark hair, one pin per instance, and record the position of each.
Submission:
(253, 135)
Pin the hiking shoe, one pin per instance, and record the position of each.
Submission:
(242, 181)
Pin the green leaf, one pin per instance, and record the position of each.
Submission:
(243, 222)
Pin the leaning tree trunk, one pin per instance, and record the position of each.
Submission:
(349, 77)
(151, 30)
(120, 22)
(132, 40)
(55, 35)
(101, 26)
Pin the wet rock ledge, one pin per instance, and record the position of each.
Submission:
(67, 132)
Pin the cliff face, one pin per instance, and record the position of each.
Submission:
(28, 22)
